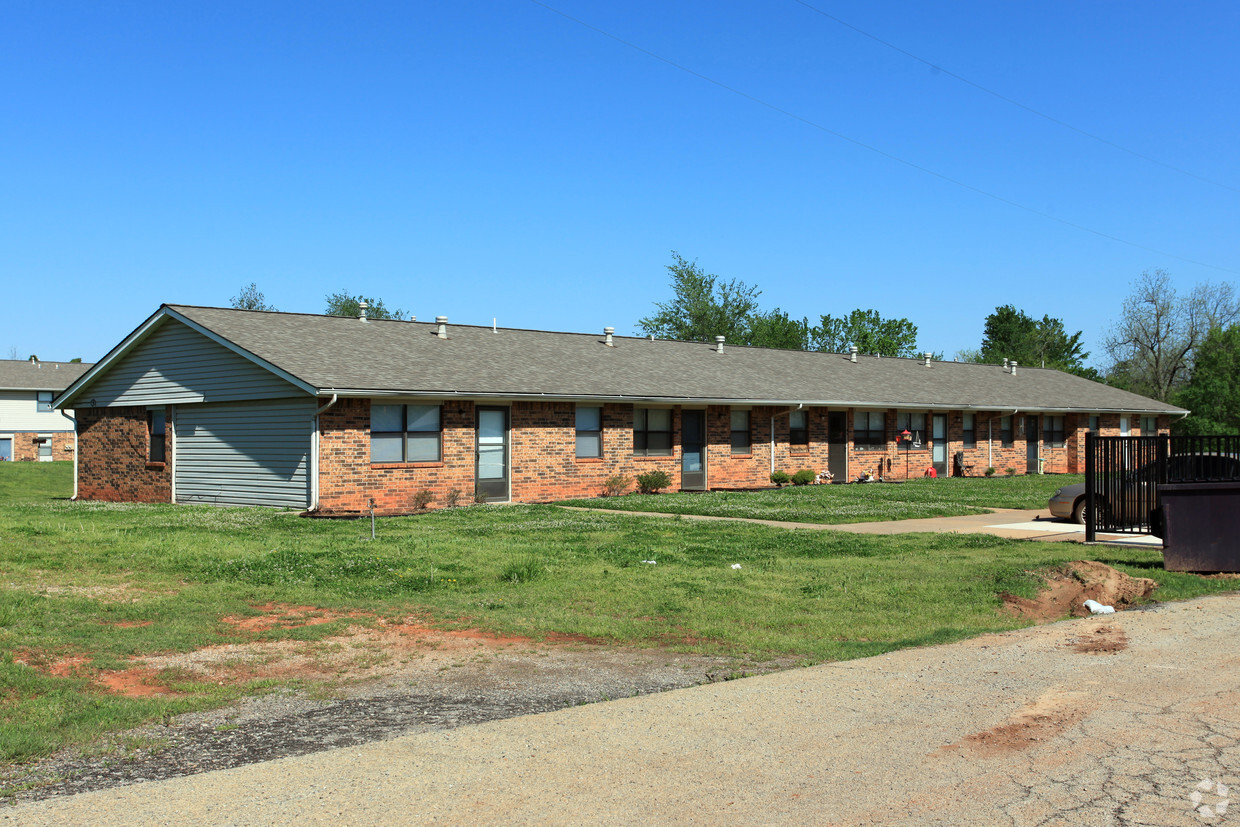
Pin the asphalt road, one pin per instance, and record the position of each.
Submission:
(1112, 720)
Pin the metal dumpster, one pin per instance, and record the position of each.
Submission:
(1201, 526)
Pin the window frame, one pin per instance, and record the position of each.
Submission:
(42, 404)
(968, 430)
(1005, 431)
(1053, 430)
(740, 439)
(904, 420)
(405, 432)
(798, 435)
(156, 436)
(868, 443)
(1153, 431)
(579, 432)
(642, 432)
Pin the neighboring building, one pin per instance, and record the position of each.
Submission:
(212, 405)
(30, 428)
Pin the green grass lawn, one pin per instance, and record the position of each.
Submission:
(76, 577)
(835, 504)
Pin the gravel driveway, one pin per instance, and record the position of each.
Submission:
(1124, 719)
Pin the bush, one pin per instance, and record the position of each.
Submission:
(803, 477)
(990, 472)
(422, 499)
(453, 498)
(1011, 472)
(780, 478)
(652, 482)
(616, 486)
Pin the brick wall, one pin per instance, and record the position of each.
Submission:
(348, 479)
(113, 450)
(544, 465)
(26, 449)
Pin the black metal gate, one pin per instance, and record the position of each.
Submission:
(1122, 475)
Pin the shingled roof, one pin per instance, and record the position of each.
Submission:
(334, 354)
(27, 375)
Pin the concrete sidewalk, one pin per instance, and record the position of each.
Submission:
(1126, 719)
(1013, 523)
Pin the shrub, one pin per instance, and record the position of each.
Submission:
(803, 477)
(422, 499)
(653, 481)
(453, 498)
(780, 478)
(990, 472)
(479, 498)
(1011, 472)
(616, 486)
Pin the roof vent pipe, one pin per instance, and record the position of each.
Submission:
(1005, 363)
(607, 334)
(719, 344)
(852, 353)
(361, 310)
(1013, 364)
(441, 327)
(927, 354)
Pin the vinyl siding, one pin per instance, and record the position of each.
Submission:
(177, 365)
(247, 453)
(19, 411)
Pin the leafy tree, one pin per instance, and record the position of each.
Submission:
(777, 329)
(251, 298)
(869, 331)
(1012, 334)
(1153, 344)
(344, 304)
(1213, 392)
(704, 307)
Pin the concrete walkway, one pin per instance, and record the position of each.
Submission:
(1013, 523)
(1119, 720)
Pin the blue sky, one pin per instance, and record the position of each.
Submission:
(497, 159)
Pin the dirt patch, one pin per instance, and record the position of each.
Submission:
(1104, 640)
(284, 616)
(1069, 586)
(136, 683)
(130, 624)
(1038, 722)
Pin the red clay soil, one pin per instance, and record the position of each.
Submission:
(1069, 586)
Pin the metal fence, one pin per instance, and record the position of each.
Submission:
(1122, 475)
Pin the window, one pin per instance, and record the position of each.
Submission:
(45, 402)
(1093, 423)
(652, 432)
(740, 432)
(868, 429)
(45, 447)
(1052, 431)
(968, 428)
(589, 431)
(915, 424)
(155, 428)
(1123, 426)
(1149, 426)
(798, 430)
(1005, 430)
(404, 433)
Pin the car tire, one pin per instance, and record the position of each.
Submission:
(1078, 511)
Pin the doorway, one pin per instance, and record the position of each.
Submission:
(837, 445)
(938, 449)
(693, 450)
(492, 454)
(1033, 445)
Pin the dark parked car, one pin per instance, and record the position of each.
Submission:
(1136, 489)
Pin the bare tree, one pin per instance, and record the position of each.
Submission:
(1152, 344)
